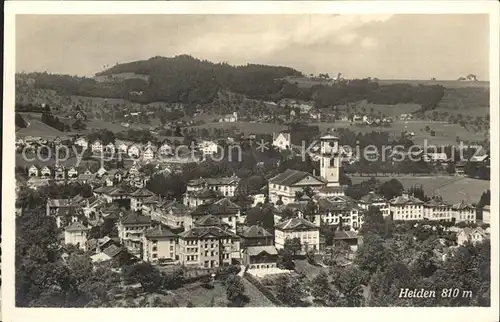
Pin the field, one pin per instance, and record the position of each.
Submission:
(445, 83)
(445, 133)
(452, 189)
(388, 110)
(202, 297)
(246, 127)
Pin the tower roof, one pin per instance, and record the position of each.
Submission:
(328, 137)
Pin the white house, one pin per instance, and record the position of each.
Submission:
(76, 234)
(473, 235)
(284, 186)
(72, 172)
(33, 171)
(230, 118)
(46, 172)
(307, 232)
(148, 153)
(282, 140)
(208, 147)
(464, 212)
(375, 200)
(101, 172)
(166, 149)
(122, 146)
(134, 151)
(82, 142)
(438, 210)
(406, 207)
(97, 147)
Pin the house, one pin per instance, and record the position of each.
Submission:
(110, 148)
(159, 244)
(122, 146)
(435, 157)
(256, 236)
(46, 172)
(258, 198)
(463, 212)
(148, 154)
(282, 140)
(137, 197)
(351, 238)
(284, 186)
(99, 244)
(208, 247)
(57, 141)
(486, 215)
(339, 211)
(229, 118)
(260, 257)
(101, 172)
(82, 142)
(131, 231)
(134, 151)
(63, 210)
(226, 186)
(76, 234)
(460, 168)
(96, 147)
(80, 115)
(305, 108)
(33, 171)
(72, 173)
(224, 209)
(436, 209)
(406, 207)
(59, 173)
(304, 230)
(472, 235)
(166, 149)
(375, 200)
(208, 147)
(174, 214)
(134, 170)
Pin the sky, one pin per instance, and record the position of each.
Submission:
(383, 46)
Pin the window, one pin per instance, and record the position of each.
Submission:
(155, 248)
(155, 255)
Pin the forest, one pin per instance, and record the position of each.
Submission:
(187, 80)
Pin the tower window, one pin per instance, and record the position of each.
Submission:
(332, 162)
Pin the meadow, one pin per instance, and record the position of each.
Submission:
(452, 189)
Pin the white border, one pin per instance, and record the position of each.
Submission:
(10, 313)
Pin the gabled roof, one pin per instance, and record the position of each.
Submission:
(209, 221)
(295, 223)
(112, 250)
(462, 206)
(206, 232)
(142, 192)
(291, 177)
(134, 218)
(76, 226)
(340, 204)
(436, 203)
(215, 181)
(223, 206)
(406, 200)
(205, 194)
(257, 250)
(255, 231)
(340, 234)
(372, 197)
(159, 232)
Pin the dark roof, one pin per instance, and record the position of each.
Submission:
(223, 206)
(290, 177)
(295, 223)
(134, 218)
(209, 221)
(255, 231)
(159, 232)
(462, 206)
(325, 204)
(112, 250)
(59, 202)
(214, 181)
(76, 226)
(205, 194)
(436, 203)
(206, 232)
(142, 192)
(257, 250)
(372, 197)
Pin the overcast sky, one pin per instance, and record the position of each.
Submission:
(387, 47)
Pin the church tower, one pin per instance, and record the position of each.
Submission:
(330, 160)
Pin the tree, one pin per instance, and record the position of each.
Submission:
(285, 259)
(293, 245)
(321, 287)
(289, 291)
(391, 189)
(336, 255)
(145, 274)
(234, 289)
